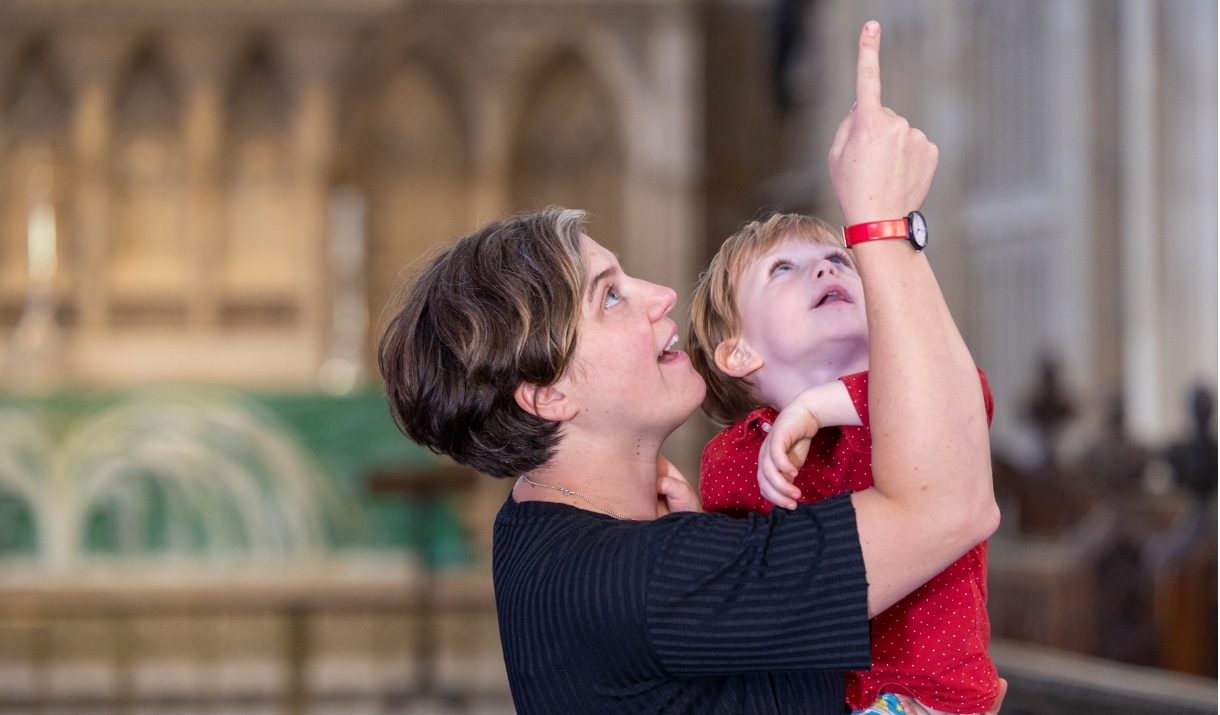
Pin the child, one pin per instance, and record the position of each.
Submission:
(778, 320)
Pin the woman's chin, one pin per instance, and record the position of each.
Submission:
(692, 400)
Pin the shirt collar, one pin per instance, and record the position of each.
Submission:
(757, 423)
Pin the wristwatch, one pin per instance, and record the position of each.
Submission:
(913, 228)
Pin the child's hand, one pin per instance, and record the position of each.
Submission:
(784, 451)
(911, 707)
(674, 493)
(787, 445)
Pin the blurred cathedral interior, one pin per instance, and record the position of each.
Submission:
(207, 206)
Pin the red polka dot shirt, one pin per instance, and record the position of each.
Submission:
(931, 645)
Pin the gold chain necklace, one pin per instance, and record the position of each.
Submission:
(570, 493)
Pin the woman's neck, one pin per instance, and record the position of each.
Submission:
(604, 475)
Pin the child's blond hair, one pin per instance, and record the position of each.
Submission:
(713, 314)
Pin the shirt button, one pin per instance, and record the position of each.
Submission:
(766, 427)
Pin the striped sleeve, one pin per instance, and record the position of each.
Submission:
(780, 592)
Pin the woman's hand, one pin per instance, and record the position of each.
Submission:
(784, 451)
(880, 167)
(674, 493)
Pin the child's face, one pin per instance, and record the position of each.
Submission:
(802, 308)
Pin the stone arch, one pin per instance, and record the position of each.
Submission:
(260, 266)
(415, 171)
(149, 263)
(569, 147)
(36, 101)
(35, 118)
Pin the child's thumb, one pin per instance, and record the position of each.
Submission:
(798, 452)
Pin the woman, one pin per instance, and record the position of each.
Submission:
(524, 351)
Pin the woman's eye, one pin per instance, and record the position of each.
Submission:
(612, 298)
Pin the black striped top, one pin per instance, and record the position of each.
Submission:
(691, 613)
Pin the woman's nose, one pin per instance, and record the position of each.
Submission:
(662, 301)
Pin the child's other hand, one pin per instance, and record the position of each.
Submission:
(784, 451)
(911, 707)
(674, 493)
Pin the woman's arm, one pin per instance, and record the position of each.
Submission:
(784, 591)
(931, 458)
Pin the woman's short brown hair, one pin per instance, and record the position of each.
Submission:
(714, 315)
(493, 310)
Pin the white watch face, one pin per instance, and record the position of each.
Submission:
(919, 230)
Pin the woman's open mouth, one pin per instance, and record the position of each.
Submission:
(669, 354)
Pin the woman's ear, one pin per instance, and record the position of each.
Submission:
(735, 359)
(545, 402)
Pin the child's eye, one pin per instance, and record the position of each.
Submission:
(612, 297)
(841, 258)
(780, 266)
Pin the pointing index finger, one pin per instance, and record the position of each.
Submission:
(868, 66)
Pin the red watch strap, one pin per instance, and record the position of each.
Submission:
(896, 228)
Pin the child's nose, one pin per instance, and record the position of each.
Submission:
(825, 266)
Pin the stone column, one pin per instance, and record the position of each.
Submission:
(1141, 230)
(1070, 310)
(1187, 256)
(314, 56)
(203, 128)
(491, 141)
(942, 115)
(92, 61)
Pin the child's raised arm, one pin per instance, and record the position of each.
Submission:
(787, 444)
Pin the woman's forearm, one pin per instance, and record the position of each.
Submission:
(931, 459)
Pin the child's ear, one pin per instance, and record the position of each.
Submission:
(735, 359)
(545, 402)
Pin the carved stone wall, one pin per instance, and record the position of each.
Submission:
(194, 152)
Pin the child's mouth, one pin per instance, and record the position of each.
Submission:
(832, 296)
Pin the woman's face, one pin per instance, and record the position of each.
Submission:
(627, 373)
